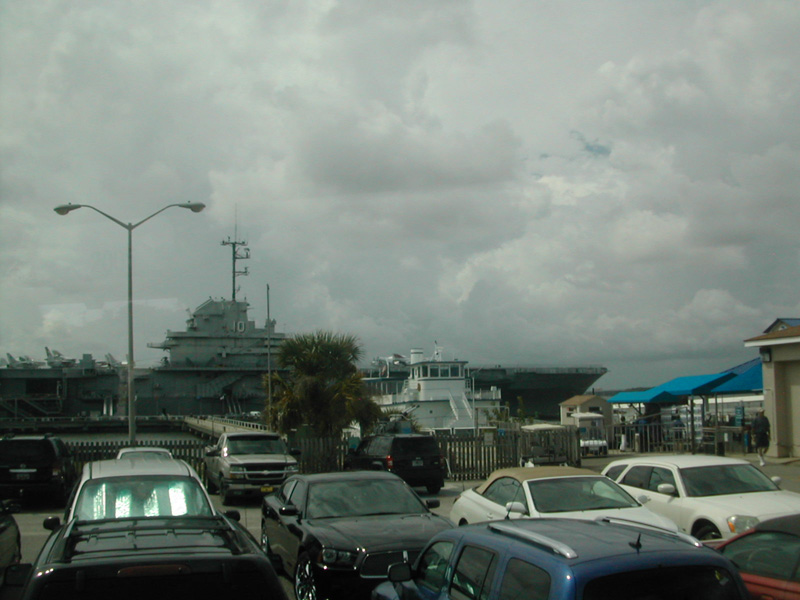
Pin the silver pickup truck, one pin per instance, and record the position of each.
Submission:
(248, 464)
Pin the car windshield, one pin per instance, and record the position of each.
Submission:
(718, 480)
(141, 496)
(256, 445)
(354, 498)
(701, 582)
(564, 494)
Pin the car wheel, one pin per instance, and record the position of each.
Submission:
(212, 489)
(275, 560)
(305, 586)
(707, 531)
(434, 488)
(224, 493)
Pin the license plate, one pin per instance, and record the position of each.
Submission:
(267, 489)
(417, 462)
(23, 476)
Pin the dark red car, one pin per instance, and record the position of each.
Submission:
(768, 558)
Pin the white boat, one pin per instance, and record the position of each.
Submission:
(440, 395)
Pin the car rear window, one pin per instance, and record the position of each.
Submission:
(417, 446)
(128, 497)
(22, 450)
(688, 582)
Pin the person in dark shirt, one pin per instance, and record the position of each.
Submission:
(761, 435)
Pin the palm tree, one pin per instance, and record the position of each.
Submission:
(324, 389)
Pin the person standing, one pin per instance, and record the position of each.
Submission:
(761, 435)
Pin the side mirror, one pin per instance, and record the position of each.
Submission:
(51, 523)
(433, 503)
(516, 507)
(212, 452)
(776, 480)
(667, 488)
(290, 510)
(399, 572)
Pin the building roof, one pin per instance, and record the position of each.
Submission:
(581, 400)
(779, 324)
(789, 335)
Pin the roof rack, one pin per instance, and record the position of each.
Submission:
(536, 538)
(678, 534)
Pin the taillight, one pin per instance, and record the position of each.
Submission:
(389, 462)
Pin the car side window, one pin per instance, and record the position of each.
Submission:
(658, 476)
(524, 581)
(613, 472)
(504, 490)
(473, 574)
(638, 477)
(767, 553)
(432, 566)
(286, 490)
(297, 494)
(380, 446)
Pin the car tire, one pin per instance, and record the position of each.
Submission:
(305, 585)
(273, 558)
(224, 493)
(707, 531)
(210, 486)
(433, 488)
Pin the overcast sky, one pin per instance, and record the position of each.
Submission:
(551, 183)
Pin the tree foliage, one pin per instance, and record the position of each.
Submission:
(323, 388)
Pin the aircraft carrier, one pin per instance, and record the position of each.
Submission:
(217, 365)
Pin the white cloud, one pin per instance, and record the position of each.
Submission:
(563, 183)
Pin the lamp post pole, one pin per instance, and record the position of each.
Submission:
(65, 209)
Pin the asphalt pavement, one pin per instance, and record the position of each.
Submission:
(34, 535)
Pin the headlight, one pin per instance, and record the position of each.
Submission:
(237, 472)
(331, 557)
(740, 523)
(293, 468)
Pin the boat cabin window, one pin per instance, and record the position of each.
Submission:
(438, 371)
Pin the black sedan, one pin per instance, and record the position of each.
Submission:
(337, 533)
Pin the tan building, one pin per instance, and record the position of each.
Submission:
(780, 355)
(584, 405)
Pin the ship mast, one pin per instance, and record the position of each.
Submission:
(239, 251)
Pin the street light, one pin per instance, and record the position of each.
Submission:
(67, 208)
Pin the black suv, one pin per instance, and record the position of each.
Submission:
(36, 465)
(416, 458)
(191, 556)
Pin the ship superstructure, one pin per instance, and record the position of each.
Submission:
(438, 395)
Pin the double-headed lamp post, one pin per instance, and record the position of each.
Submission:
(66, 208)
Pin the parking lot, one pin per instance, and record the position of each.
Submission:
(34, 535)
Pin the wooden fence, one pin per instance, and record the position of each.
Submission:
(467, 457)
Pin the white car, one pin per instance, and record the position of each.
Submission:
(536, 492)
(144, 452)
(709, 497)
(130, 489)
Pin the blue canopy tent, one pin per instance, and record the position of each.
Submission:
(748, 381)
(694, 385)
(651, 396)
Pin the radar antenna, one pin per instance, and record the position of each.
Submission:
(239, 251)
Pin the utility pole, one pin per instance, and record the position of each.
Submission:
(269, 366)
